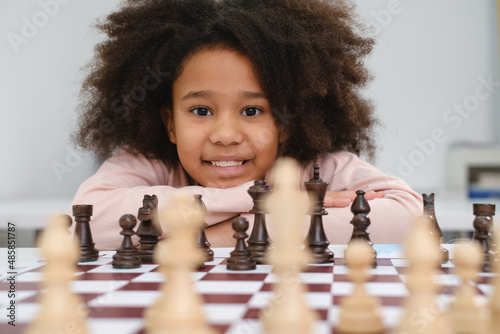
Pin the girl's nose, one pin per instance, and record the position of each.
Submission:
(226, 130)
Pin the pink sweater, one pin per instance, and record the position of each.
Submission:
(120, 184)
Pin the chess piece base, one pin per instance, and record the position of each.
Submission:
(89, 255)
(126, 261)
(146, 253)
(445, 255)
(147, 259)
(258, 251)
(365, 320)
(240, 264)
(322, 255)
(466, 321)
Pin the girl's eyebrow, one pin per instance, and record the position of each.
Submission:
(200, 93)
(208, 93)
(253, 95)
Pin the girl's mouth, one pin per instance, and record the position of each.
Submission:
(231, 163)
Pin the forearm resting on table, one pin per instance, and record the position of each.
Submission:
(221, 234)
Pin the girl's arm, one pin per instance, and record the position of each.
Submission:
(394, 205)
(119, 186)
(221, 234)
(339, 199)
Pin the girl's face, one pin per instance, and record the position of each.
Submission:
(221, 121)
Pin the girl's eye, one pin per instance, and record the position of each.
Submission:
(251, 111)
(201, 111)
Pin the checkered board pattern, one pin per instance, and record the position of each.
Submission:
(117, 298)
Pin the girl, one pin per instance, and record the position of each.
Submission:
(206, 94)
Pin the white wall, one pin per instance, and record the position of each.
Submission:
(39, 85)
(430, 59)
(430, 56)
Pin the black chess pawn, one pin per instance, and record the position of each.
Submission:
(127, 256)
(316, 237)
(149, 230)
(202, 237)
(483, 225)
(360, 208)
(83, 234)
(435, 230)
(259, 240)
(241, 258)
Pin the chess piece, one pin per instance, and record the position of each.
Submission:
(316, 237)
(360, 208)
(468, 314)
(60, 309)
(483, 225)
(241, 258)
(148, 232)
(83, 234)
(127, 256)
(68, 220)
(178, 309)
(202, 237)
(259, 240)
(422, 252)
(287, 312)
(494, 304)
(430, 213)
(359, 312)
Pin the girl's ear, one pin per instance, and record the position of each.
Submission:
(168, 121)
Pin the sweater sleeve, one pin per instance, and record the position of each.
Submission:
(119, 186)
(390, 216)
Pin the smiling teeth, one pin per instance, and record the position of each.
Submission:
(227, 163)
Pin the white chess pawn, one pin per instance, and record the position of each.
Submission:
(287, 312)
(178, 310)
(61, 310)
(495, 298)
(468, 314)
(421, 313)
(360, 313)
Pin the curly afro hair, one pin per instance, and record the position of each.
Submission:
(308, 55)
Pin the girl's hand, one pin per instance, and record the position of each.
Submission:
(344, 198)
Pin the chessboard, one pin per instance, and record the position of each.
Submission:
(233, 300)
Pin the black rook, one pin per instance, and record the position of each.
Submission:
(83, 235)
